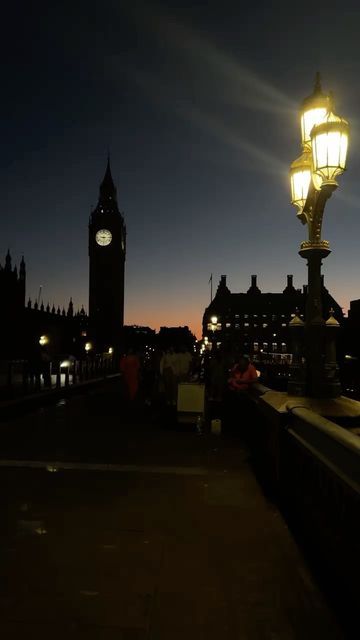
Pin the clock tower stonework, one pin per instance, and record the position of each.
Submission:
(107, 250)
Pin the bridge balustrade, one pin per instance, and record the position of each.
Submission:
(311, 468)
(20, 377)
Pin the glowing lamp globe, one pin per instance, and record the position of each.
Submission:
(329, 142)
(313, 112)
(214, 319)
(300, 176)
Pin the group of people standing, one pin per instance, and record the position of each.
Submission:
(227, 373)
(159, 372)
(156, 374)
(229, 378)
(175, 367)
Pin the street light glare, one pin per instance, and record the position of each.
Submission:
(300, 176)
(329, 142)
(308, 120)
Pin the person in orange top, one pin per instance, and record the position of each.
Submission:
(130, 368)
(237, 407)
(243, 375)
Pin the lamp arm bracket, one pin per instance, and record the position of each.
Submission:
(314, 210)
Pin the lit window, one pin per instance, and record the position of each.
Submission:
(246, 315)
(255, 325)
(265, 325)
(283, 347)
(274, 346)
(228, 325)
(237, 315)
(237, 326)
(209, 326)
(283, 324)
(246, 324)
(264, 315)
(265, 346)
(219, 326)
(256, 347)
(255, 315)
(293, 315)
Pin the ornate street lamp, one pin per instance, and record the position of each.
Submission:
(214, 323)
(313, 179)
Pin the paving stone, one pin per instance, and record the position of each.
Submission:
(145, 552)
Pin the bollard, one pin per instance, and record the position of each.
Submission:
(199, 425)
(25, 376)
(38, 381)
(216, 427)
(9, 374)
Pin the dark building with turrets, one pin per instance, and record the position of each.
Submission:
(66, 331)
(256, 323)
(12, 286)
(21, 327)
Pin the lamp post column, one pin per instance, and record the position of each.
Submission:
(314, 323)
(324, 138)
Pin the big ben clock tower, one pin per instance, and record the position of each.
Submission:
(107, 249)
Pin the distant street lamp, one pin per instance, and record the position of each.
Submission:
(88, 347)
(214, 321)
(313, 180)
(43, 340)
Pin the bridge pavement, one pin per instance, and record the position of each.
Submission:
(123, 527)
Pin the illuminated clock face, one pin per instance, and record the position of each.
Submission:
(103, 237)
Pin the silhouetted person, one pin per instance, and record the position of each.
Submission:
(35, 364)
(184, 362)
(242, 375)
(130, 368)
(237, 404)
(217, 377)
(45, 367)
(169, 373)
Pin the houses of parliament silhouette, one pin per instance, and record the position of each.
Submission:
(68, 332)
(253, 322)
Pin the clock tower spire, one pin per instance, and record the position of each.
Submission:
(107, 250)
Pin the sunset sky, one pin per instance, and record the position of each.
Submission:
(197, 103)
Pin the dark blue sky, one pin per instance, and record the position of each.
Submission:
(197, 103)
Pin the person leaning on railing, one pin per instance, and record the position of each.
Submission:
(242, 375)
(236, 408)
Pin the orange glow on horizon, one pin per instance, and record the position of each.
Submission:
(162, 318)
